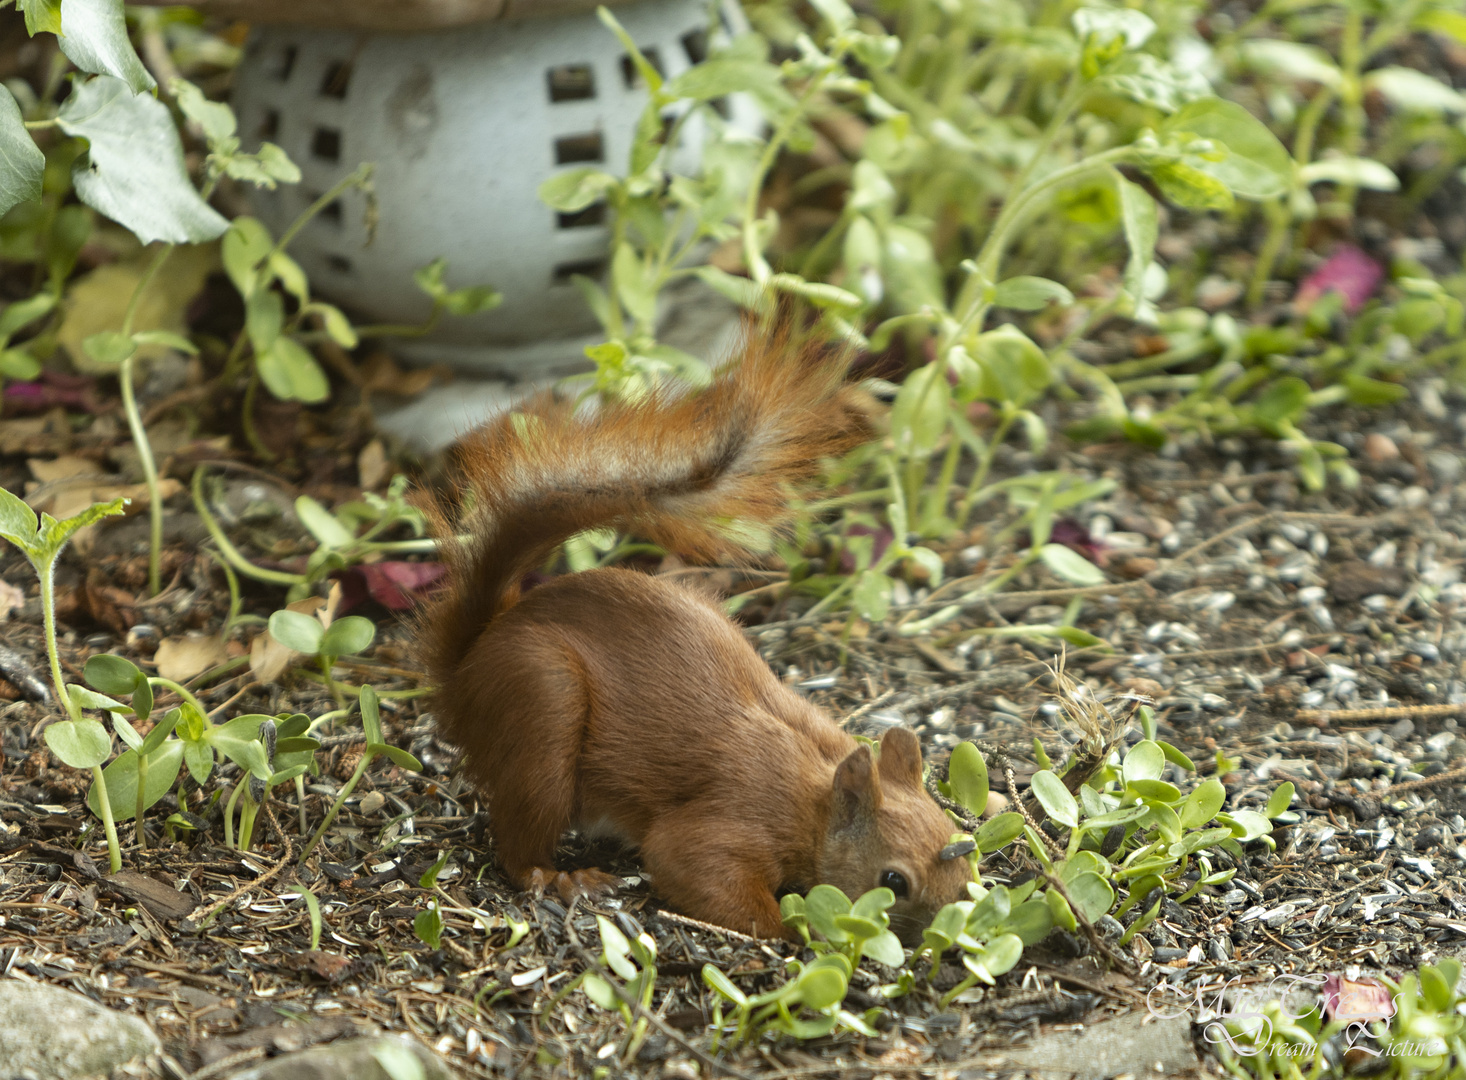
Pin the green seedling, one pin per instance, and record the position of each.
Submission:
(311, 638)
(79, 742)
(371, 722)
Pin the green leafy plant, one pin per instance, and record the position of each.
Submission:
(376, 746)
(313, 639)
(78, 741)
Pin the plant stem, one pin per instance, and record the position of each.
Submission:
(357, 178)
(247, 421)
(114, 850)
(229, 551)
(229, 810)
(185, 694)
(346, 791)
(139, 433)
(142, 780)
(47, 574)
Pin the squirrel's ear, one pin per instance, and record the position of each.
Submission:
(857, 790)
(901, 757)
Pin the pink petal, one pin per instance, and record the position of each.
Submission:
(1349, 272)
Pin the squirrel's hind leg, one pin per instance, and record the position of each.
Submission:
(530, 726)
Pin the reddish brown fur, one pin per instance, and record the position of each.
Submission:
(611, 701)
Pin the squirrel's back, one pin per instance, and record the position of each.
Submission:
(699, 473)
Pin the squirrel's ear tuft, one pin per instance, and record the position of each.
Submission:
(857, 789)
(901, 757)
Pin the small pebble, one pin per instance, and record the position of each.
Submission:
(1380, 448)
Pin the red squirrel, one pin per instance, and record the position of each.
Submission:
(618, 703)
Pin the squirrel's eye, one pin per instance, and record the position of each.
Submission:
(895, 881)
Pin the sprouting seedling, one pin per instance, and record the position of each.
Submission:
(310, 637)
(79, 742)
(371, 721)
(271, 751)
(143, 773)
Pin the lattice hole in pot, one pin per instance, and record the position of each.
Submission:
(591, 268)
(591, 216)
(336, 80)
(571, 82)
(574, 149)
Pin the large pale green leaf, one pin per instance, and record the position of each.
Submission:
(81, 744)
(121, 777)
(298, 631)
(134, 170)
(21, 160)
(94, 38)
(41, 15)
(1415, 91)
(1293, 60)
(967, 774)
(1055, 798)
(17, 520)
(291, 373)
(1257, 167)
(1070, 565)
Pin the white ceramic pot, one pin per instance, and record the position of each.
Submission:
(462, 127)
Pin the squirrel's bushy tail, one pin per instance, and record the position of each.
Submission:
(683, 471)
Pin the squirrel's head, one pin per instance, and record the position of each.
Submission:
(885, 830)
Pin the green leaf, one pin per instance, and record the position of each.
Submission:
(967, 773)
(1145, 761)
(1246, 825)
(121, 777)
(322, 524)
(1280, 800)
(817, 293)
(264, 315)
(1257, 167)
(54, 534)
(1055, 798)
(41, 15)
(1360, 172)
(166, 339)
(635, 283)
(291, 373)
(82, 744)
(576, 189)
(1015, 370)
(1156, 790)
(821, 905)
(1030, 293)
(1091, 894)
(161, 730)
(1188, 186)
(244, 247)
(348, 636)
(297, 631)
(1415, 91)
(21, 162)
(1070, 565)
(1134, 27)
(884, 948)
(1441, 21)
(22, 313)
(649, 74)
(94, 38)
(214, 117)
(871, 596)
(1303, 63)
(109, 347)
(142, 699)
(823, 987)
(919, 414)
(835, 12)
(88, 699)
(1203, 803)
(428, 925)
(1174, 756)
(17, 521)
(1283, 401)
(471, 300)
(740, 290)
(998, 832)
(1030, 921)
(111, 674)
(723, 985)
(18, 364)
(200, 758)
(399, 757)
(1002, 954)
(134, 170)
